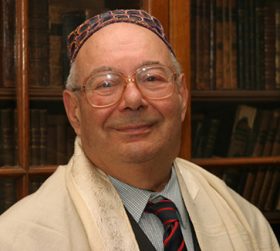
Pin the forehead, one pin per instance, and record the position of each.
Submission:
(122, 41)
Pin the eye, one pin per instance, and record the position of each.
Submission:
(104, 85)
(151, 78)
(154, 77)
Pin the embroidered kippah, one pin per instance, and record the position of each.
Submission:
(139, 17)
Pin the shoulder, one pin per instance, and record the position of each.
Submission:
(207, 190)
(40, 219)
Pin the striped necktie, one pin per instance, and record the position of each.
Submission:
(166, 211)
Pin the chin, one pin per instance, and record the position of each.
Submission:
(140, 154)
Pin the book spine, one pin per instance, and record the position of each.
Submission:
(61, 130)
(55, 45)
(265, 187)
(259, 45)
(194, 52)
(269, 47)
(219, 44)
(39, 43)
(7, 193)
(233, 44)
(212, 52)
(270, 202)
(271, 132)
(8, 43)
(70, 20)
(276, 143)
(51, 139)
(43, 136)
(277, 49)
(7, 136)
(262, 133)
(205, 46)
(35, 137)
(240, 44)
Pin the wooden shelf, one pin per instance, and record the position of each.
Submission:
(42, 170)
(237, 162)
(11, 171)
(235, 96)
(36, 93)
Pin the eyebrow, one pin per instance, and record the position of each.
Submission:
(109, 68)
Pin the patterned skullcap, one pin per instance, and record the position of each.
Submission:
(77, 38)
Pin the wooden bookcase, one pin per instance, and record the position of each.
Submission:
(175, 16)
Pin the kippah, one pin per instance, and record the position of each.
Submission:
(78, 37)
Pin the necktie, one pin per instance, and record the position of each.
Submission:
(166, 211)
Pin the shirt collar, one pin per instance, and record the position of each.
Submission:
(135, 199)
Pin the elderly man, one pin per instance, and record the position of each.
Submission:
(124, 188)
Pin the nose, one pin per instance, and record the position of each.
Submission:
(132, 97)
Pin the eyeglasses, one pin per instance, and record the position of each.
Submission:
(105, 88)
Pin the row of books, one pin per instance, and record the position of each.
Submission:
(51, 138)
(49, 25)
(235, 44)
(259, 185)
(8, 195)
(249, 131)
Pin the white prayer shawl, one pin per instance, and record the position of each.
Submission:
(78, 209)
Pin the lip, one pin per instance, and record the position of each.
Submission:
(135, 130)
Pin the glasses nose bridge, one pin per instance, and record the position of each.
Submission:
(130, 79)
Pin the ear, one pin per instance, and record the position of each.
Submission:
(72, 108)
(184, 93)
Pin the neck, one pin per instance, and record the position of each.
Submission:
(148, 177)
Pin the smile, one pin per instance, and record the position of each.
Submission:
(135, 130)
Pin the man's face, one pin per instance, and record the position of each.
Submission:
(136, 129)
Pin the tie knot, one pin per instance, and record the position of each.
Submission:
(164, 209)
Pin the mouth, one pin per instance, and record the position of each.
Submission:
(134, 129)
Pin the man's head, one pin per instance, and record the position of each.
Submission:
(139, 126)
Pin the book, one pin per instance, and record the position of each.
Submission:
(7, 126)
(277, 48)
(242, 129)
(70, 20)
(61, 140)
(249, 182)
(38, 43)
(51, 139)
(265, 187)
(276, 143)
(270, 202)
(265, 119)
(55, 45)
(259, 45)
(197, 127)
(8, 35)
(219, 46)
(271, 132)
(211, 137)
(258, 183)
(35, 137)
(269, 47)
(7, 193)
(240, 44)
(43, 136)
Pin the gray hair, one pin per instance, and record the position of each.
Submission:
(72, 79)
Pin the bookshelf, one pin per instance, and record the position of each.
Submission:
(213, 88)
(235, 96)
